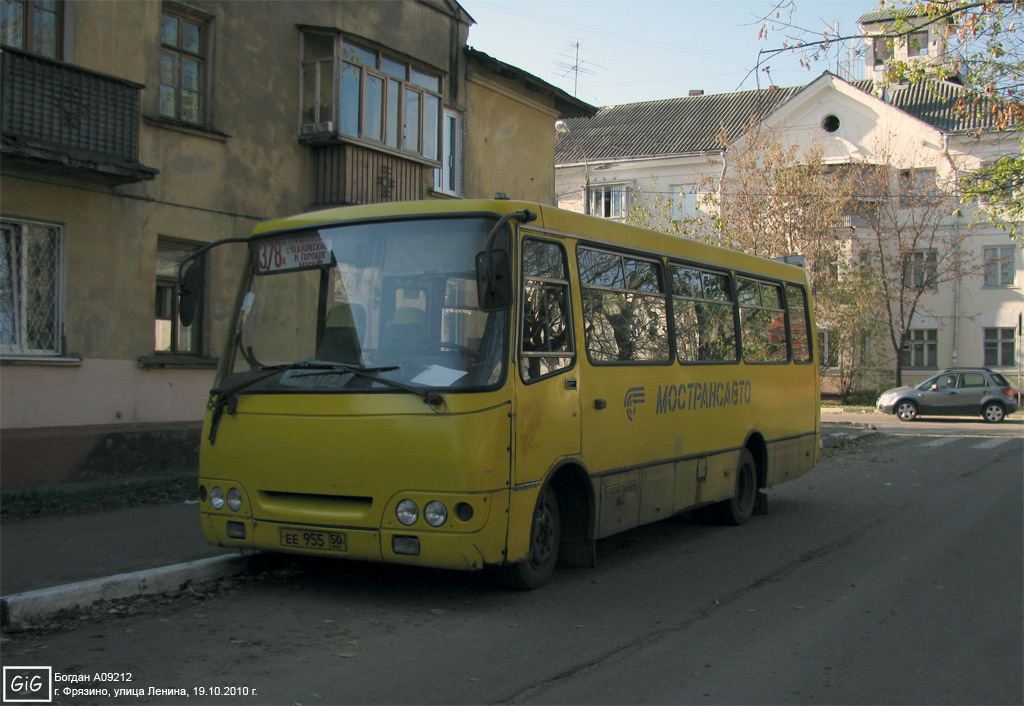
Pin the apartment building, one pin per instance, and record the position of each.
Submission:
(135, 132)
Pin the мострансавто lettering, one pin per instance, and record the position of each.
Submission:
(702, 395)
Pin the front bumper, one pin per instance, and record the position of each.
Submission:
(457, 545)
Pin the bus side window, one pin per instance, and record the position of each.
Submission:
(625, 310)
(762, 322)
(796, 302)
(546, 346)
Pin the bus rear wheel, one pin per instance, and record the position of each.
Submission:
(738, 509)
(545, 538)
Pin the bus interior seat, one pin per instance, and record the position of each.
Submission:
(340, 343)
(406, 331)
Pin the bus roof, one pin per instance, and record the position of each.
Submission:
(589, 228)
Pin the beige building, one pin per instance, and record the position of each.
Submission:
(135, 132)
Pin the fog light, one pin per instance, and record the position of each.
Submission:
(407, 512)
(435, 514)
(405, 545)
(217, 497)
(236, 530)
(234, 500)
(464, 511)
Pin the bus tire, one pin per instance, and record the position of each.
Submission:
(738, 509)
(545, 538)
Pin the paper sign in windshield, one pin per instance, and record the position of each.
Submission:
(298, 253)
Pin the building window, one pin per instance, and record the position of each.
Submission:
(924, 264)
(35, 26)
(170, 336)
(182, 67)
(1000, 347)
(609, 201)
(448, 177)
(921, 349)
(31, 288)
(917, 43)
(882, 48)
(828, 345)
(917, 187)
(1000, 266)
(383, 99)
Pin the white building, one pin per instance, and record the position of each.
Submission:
(629, 154)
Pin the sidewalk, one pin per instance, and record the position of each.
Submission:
(53, 563)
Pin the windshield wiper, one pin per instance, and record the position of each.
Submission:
(429, 396)
(226, 400)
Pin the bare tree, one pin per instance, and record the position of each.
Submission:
(909, 244)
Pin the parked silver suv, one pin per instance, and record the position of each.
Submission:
(953, 392)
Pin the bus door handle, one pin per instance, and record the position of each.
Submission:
(570, 384)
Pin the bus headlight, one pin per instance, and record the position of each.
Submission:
(435, 514)
(407, 512)
(217, 497)
(234, 500)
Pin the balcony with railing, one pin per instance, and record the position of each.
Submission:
(69, 120)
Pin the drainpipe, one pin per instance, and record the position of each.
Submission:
(956, 236)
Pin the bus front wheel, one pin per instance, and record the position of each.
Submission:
(738, 509)
(545, 538)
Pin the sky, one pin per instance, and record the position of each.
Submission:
(640, 50)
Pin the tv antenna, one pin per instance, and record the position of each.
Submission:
(576, 67)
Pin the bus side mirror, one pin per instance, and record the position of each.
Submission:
(189, 289)
(493, 280)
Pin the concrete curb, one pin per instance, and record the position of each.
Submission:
(24, 607)
(843, 436)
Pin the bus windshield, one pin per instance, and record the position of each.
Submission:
(370, 306)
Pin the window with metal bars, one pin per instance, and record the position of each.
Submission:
(31, 288)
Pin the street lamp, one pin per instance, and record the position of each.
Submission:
(563, 128)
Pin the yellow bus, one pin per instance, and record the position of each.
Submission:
(472, 384)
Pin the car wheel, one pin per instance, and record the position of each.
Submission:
(906, 411)
(545, 538)
(738, 509)
(993, 412)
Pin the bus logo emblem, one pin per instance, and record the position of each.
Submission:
(634, 396)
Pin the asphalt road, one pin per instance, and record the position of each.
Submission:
(892, 573)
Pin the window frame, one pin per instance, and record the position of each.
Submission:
(1000, 260)
(924, 269)
(609, 197)
(730, 302)
(926, 344)
(547, 281)
(27, 25)
(448, 177)
(406, 101)
(167, 281)
(19, 286)
(179, 54)
(625, 290)
(760, 306)
(999, 338)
